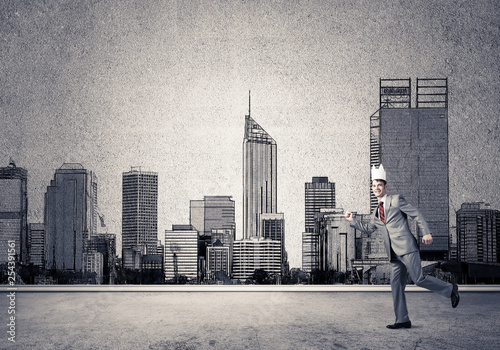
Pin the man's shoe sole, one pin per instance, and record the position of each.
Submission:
(399, 325)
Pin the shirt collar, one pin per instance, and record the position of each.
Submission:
(384, 199)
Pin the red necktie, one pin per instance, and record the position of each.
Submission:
(381, 212)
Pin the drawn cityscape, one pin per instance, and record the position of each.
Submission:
(408, 135)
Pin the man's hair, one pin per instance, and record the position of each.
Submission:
(385, 182)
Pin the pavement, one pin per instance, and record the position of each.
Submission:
(255, 317)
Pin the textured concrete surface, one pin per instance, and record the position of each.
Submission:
(248, 320)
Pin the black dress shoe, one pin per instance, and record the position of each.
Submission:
(455, 297)
(399, 325)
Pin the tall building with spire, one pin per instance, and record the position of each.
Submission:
(263, 226)
(259, 176)
(140, 211)
(13, 212)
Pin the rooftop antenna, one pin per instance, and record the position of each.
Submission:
(249, 102)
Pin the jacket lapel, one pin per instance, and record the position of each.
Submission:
(388, 203)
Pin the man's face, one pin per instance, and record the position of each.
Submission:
(379, 188)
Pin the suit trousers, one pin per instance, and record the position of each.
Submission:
(411, 263)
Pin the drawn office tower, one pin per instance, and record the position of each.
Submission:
(259, 176)
(13, 212)
(181, 253)
(36, 244)
(478, 233)
(412, 144)
(212, 213)
(263, 226)
(319, 194)
(140, 211)
(70, 217)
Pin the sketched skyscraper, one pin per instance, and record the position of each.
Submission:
(140, 211)
(13, 212)
(320, 194)
(259, 176)
(70, 217)
(412, 144)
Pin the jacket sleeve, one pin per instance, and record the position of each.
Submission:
(415, 214)
(366, 228)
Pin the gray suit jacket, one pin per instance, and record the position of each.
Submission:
(395, 232)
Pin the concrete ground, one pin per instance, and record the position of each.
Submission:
(248, 320)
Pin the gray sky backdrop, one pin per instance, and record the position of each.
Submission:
(164, 85)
